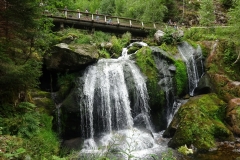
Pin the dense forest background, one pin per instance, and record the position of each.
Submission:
(26, 35)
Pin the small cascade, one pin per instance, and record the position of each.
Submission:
(57, 112)
(194, 64)
(58, 107)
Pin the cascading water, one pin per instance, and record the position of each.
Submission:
(107, 112)
(193, 59)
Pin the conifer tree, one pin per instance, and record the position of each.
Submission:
(19, 69)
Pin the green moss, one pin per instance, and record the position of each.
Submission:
(132, 49)
(43, 101)
(66, 82)
(169, 48)
(205, 51)
(145, 61)
(192, 43)
(181, 76)
(201, 122)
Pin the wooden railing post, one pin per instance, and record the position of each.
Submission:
(105, 19)
(154, 25)
(118, 21)
(142, 25)
(130, 23)
(92, 17)
(65, 13)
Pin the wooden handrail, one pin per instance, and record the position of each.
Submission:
(76, 15)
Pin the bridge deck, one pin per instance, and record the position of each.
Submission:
(101, 22)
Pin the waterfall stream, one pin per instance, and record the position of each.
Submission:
(193, 60)
(114, 113)
(108, 115)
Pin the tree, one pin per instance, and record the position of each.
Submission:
(206, 13)
(234, 22)
(20, 66)
(154, 11)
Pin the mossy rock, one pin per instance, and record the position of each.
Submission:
(43, 101)
(200, 122)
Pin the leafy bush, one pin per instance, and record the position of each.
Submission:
(99, 37)
(65, 82)
(116, 49)
(168, 155)
(11, 147)
(84, 39)
(104, 53)
(184, 150)
(126, 37)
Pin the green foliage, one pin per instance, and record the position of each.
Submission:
(205, 34)
(184, 150)
(65, 82)
(169, 48)
(116, 49)
(104, 53)
(168, 155)
(125, 40)
(25, 76)
(171, 36)
(229, 55)
(44, 145)
(228, 3)
(206, 13)
(233, 33)
(84, 39)
(99, 37)
(11, 148)
(107, 7)
(35, 137)
(25, 125)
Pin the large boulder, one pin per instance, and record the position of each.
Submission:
(66, 57)
(199, 122)
(204, 85)
(43, 100)
(159, 35)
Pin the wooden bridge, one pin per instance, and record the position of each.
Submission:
(105, 23)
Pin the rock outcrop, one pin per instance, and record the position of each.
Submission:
(64, 57)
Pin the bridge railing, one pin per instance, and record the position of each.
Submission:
(100, 18)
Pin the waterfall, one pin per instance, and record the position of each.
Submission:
(114, 110)
(193, 59)
(105, 106)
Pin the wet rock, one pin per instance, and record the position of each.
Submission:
(73, 144)
(233, 115)
(159, 35)
(204, 85)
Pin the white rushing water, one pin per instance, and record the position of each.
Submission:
(107, 117)
(189, 55)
